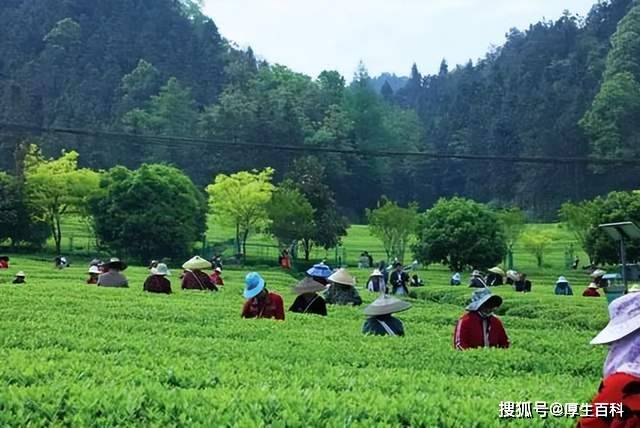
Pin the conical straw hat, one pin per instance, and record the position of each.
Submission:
(308, 285)
(196, 263)
(341, 276)
(385, 305)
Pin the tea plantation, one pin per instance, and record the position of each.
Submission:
(77, 355)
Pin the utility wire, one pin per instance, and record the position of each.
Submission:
(173, 142)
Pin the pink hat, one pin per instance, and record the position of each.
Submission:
(624, 315)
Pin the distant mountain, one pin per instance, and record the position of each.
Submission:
(396, 82)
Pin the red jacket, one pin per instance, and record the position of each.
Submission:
(4, 264)
(469, 332)
(591, 292)
(617, 388)
(271, 307)
(216, 279)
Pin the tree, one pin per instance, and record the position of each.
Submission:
(57, 188)
(153, 212)
(240, 200)
(16, 223)
(615, 207)
(513, 221)
(579, 219)
(460, 233)
(307, 176)
(394, 226)
(536, 243)
(291, 217)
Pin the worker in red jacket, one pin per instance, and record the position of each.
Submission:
(4, 262)
(261, 303)
(591, 291)
(619, 392)
(479, 328)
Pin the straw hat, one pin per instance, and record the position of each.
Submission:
(476, 273)
(253, 285)
(94, 269)
(593, 285)
(624, 315)
(308, 285)
(456, 276)
(482, 296)
(319, 270)
(196, 263)
(116, 263)
(376, 272)
(598, 273)
(385, 305)
(20, 275)
(218, 270)
(160, 270)
(512, 275)
(497, 271)
(341, 276)
(634, 288)
(562, 280)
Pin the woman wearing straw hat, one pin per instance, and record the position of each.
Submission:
(563, 288)
(113, 276)
(193, 278)
(597, 281)
(342, 290)
(376, 282)
(308, 301)
(157, 282)
(94, 272)
(320, 272)
(261, 303)
(495, 277)
(479, 328)
(591, 291)
(380, 321)
(621, 373)
(20, 278)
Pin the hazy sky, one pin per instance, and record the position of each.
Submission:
(388, 35)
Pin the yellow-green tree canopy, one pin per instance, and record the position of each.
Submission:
(394, 226)
(240, 200)
(57, 188)
(536, 243)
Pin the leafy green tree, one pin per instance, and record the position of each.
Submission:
(57, 188)
(308, 176)
(155, 211)
(460, 233)
(394, 226)
(579, 219)
(291, 217)
(240, 200)
(536, 243)
(611, 121)
(615, 207)
(513, 221)
(139, 86)
(16, 224)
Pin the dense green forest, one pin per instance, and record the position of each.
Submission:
(160, 67)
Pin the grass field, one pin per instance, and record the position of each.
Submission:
(74, 355)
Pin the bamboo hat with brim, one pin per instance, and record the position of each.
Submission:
(598, 273)
(624, 316)
(385, 305)
(497, 271)
(376, 273)
(319, 270)
(20, 275)
(513, 275)
(161, 270)
(308, 285)
(476, 273)
(196, 263)
(593, 285)
(115, 263)
(94, 270)
(341, 276)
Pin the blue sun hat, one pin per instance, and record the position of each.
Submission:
(253, 285)
(320, 270)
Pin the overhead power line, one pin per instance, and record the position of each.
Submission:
(174, 141)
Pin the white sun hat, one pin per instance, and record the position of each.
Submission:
(20, 274)
(497, 271)
(161, 270)
(94, 269)
(598, 273)
(624, 315)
